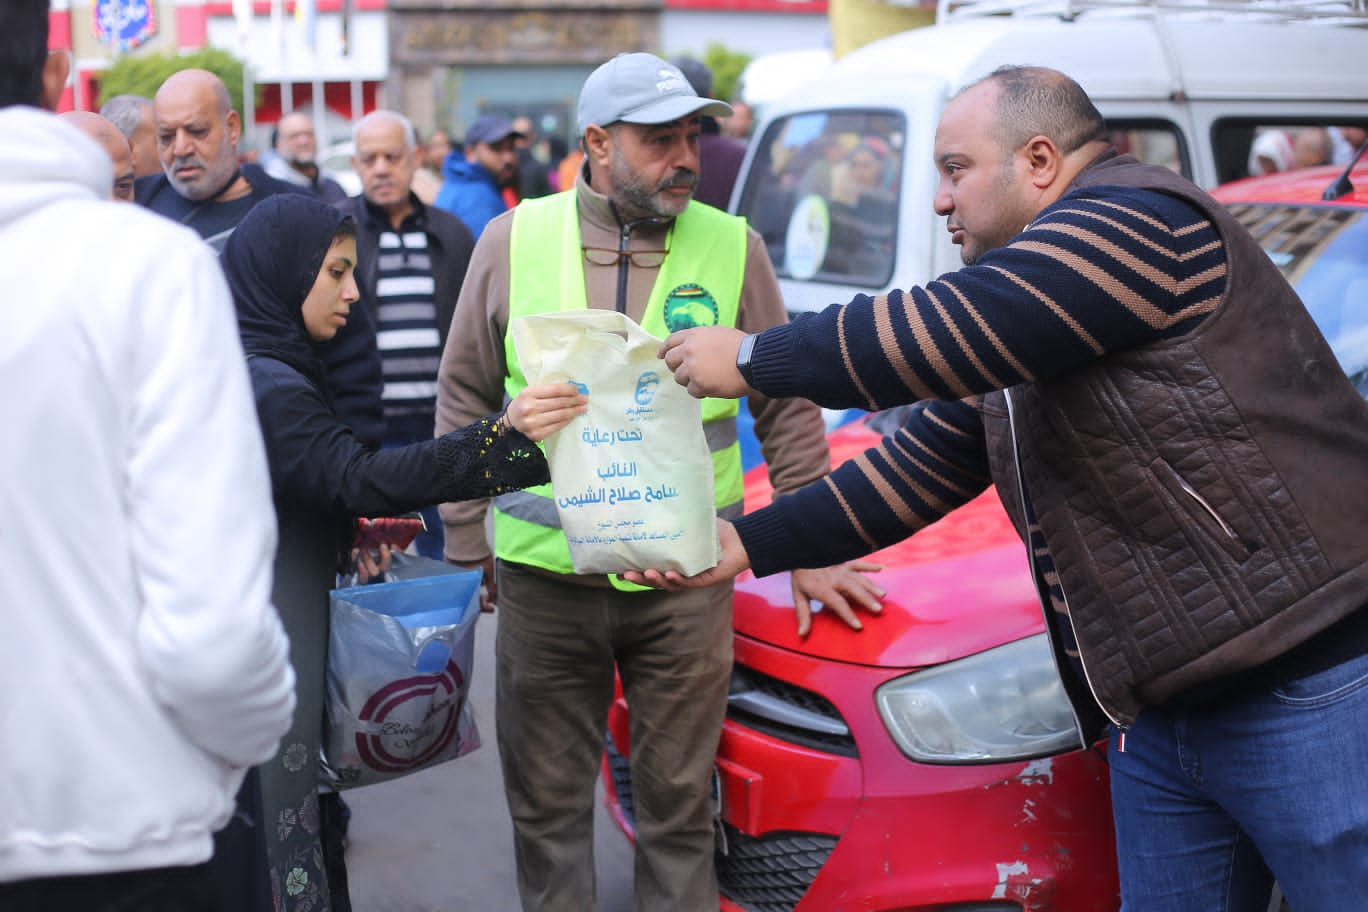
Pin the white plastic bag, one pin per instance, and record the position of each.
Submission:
(633, 478)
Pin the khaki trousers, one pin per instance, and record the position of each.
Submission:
(557, 646)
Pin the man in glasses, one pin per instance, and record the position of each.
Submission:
(631, 229)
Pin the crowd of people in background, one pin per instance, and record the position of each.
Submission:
(498, 161)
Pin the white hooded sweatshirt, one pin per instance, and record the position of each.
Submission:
(142, 665)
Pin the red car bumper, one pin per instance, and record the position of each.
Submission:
(849, 823)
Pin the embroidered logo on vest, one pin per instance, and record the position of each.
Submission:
(687, 306)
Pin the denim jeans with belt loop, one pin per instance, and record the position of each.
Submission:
(1215, 798)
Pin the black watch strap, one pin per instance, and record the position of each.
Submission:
(743, 357)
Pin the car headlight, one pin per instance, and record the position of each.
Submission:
(1003, 704)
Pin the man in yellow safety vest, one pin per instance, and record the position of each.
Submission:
(627, 236)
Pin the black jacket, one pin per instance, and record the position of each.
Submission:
(449, 247)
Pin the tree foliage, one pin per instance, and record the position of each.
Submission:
(726, 66)
(143, 74)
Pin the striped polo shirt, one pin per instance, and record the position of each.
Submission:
(406, 329)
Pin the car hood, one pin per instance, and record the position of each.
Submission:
(957, 587)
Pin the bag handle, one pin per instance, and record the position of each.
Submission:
(617, 330)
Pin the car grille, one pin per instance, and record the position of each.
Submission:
(787, 712)
(771, 873)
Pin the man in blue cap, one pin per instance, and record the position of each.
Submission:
(472, 178)
(629, 236)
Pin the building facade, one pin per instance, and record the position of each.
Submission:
(442, 62)
(452, 60)
(329, 57)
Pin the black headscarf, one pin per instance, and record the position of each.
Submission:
(272, 260)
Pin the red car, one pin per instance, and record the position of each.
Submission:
(932, 761)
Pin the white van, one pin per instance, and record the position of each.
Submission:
(775, 75)
(839, 179)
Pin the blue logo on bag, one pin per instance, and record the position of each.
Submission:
(646, 387)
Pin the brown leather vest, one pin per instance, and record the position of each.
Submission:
(1204, 498)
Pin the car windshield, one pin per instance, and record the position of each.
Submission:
(1323, 251)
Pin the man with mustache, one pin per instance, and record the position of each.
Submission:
(644, 247)
(202, 184)
(205, 188)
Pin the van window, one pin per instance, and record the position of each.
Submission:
(823, 193)
(1155, 142)
(1245, 147)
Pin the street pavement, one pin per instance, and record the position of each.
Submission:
(440, 840)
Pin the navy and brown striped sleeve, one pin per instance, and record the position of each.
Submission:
(933, 463)
(1097, 272)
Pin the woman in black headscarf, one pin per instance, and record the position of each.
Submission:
(289, 264)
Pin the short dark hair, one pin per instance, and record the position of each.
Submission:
(23, 51)
(1038, 101)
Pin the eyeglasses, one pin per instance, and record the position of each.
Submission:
(606, 256)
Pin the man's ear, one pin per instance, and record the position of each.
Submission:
(234, 123)
(56, 69)
(1043, 161)
(598, 142)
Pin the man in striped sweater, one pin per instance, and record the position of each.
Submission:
(1172, 435)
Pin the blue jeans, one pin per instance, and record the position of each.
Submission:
(1214, 801)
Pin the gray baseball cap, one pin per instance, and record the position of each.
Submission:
(641, 89)
(491, 129)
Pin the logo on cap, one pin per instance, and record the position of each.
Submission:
(670, 80)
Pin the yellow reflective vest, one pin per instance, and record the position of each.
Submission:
(699, 284)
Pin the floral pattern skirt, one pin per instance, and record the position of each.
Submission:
(289, 781)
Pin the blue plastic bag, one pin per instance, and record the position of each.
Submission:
(400, 657)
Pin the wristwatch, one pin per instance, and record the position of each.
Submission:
(743, 357)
